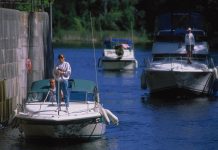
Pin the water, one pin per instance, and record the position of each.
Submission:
(152, 124)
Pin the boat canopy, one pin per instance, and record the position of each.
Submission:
(179, 34)
(180, 20)
(74, 84)
(172, 26)
(40, 86)
(78, 90)
(82, 85)
(112, 42)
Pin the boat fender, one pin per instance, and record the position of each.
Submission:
(143, 81)
(112, 117)
(104, 114)
(215, 73)
(28, 65)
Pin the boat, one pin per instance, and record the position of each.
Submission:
(85, 118)
(167, 71)
(118, 54)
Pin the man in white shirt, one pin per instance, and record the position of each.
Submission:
(189, 42)
(62, 73)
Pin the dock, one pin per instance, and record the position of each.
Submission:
(26, 54)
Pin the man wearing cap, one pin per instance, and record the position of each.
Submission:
(62, 73)
(189, 42)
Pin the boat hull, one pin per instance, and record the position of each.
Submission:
(88, 128)
(118, 64)
(194, 83)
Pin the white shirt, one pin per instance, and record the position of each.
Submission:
(65, 67)
(189, 39)
(52, 95)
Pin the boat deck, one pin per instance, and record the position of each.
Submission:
(47, 110)
(179, 65)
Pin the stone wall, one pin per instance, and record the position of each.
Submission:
(23, 36)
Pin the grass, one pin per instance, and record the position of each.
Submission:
(76, 38)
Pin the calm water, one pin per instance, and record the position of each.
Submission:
(151, 124)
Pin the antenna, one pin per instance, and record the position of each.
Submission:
(132, 36)
(93, 44)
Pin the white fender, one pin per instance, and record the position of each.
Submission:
(215, 72)
(112, 117)
(103, 112)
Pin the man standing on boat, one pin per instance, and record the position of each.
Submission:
(62, 73)
(189, 43)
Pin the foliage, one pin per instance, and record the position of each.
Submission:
(115, 15)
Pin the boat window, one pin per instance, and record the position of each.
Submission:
(172, 38)
(179, 35)
(81, 96)
(36, 96)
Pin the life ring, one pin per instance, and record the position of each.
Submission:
(119, 51)
(29, 65)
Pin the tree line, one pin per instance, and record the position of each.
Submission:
(124, 15)
(116, 15)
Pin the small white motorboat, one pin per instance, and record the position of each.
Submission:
(84, 119)
(168, 72)
(118, 54)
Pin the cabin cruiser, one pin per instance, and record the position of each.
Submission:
(118, 54)
(85, 118)
(167, 72)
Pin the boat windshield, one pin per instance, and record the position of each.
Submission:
(49, 97)
(178, 36)
(37, 96)
(111, 43)
(81, 96)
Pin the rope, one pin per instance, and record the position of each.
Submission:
(92, 131)
(93, 44)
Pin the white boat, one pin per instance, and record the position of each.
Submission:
(118, 54)
(168, 72)
(85, 118)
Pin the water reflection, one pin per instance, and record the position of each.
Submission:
(147, 99)
(123, 73)
(13, 141)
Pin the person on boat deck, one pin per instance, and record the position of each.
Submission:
(189, 43)
(62, 73)
(52, 91)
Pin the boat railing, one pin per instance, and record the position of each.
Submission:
(211, 63)
(177, 59)
(147, 61)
